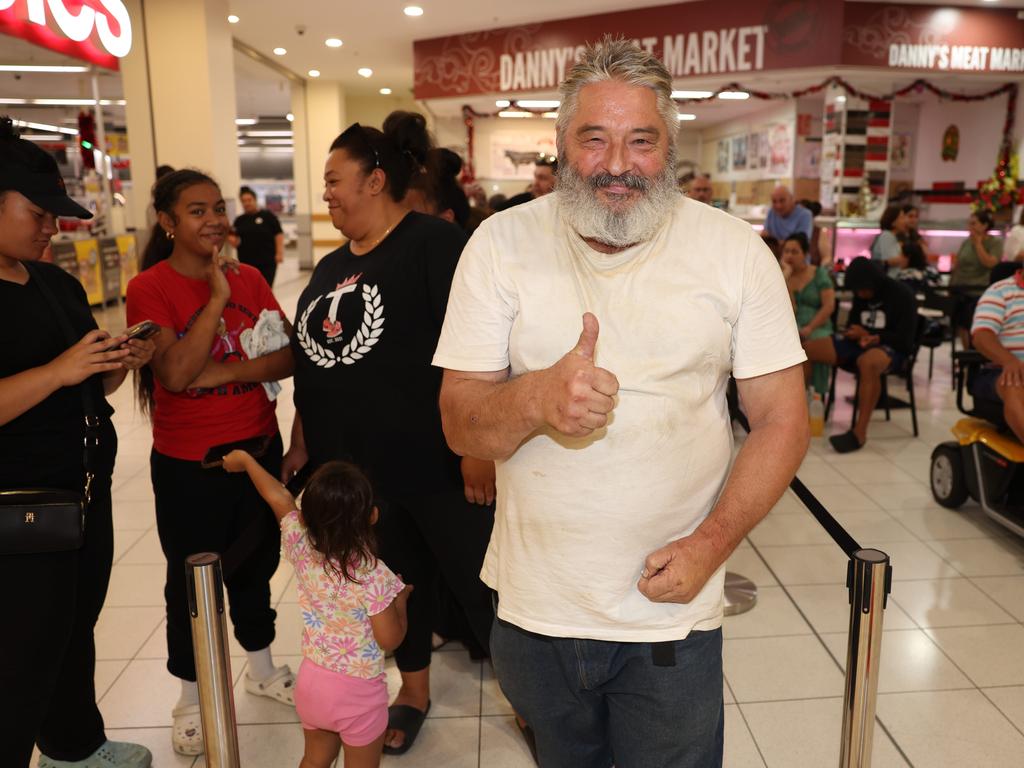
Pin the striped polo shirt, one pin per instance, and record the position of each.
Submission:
(1001, 310)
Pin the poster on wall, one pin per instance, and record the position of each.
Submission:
(808, 159)
(723, 156)
(513, 153)
(757, 151)
(899, 158)
(739, 153)
(780, 150)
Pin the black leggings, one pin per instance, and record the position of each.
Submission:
(47, 653)
(432, 536)
(209, 510)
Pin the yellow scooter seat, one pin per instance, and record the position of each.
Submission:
(968, 431)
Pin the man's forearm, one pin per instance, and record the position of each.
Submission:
(489, 420)
(986, 342)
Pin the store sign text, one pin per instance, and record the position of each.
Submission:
(979, 58)
(75, 21)
(736, 49)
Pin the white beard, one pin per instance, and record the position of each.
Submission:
(623, 223)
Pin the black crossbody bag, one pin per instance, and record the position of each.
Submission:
(38, 520)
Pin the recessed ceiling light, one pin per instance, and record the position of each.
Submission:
(314, 73)
(385, 91)
(514, 113)
(333, 42)
(289, 117)
(502, 103)
(686, 116)
(734, 95)
(550, 115)
(538, 103)
(690, 94)
(413, 10)
(232, 19)
(365, 72)
(267, 134)
(245, 121)
(280, 51)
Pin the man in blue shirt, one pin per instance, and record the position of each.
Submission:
(786, 217)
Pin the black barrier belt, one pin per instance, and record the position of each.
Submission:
(844, 540)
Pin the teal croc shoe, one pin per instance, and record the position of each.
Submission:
(113, 754)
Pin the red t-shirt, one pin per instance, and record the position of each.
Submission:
(187, 424)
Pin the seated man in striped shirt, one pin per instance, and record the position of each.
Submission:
(998, 333)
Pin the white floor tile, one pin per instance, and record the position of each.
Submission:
(873, 528)
(1010, 701)
(951, 728)
(146, 551)
(990, 656)
(455, 685)
(827, 607)
(914, 560)
(773, 615)
(908, 495)
(781, 530)
(817, 564)
(747, 563)
(133, 514)
(848, 496)
(770, 669)
(267, 746)
(935, 522)
(136, 585)
(983, 557)
(865, 473)
(910, 662)
(501, 744)
(452, 742)
(121, 632)
(142, 697)
(125, 539)
(795, 734)
(1008, 591)
(740, 749)
(947, 603)
(106, 673)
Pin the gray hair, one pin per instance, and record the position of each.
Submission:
(625, 61)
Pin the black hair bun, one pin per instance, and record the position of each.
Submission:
(408, 131)
(7, 130)
(449, 164)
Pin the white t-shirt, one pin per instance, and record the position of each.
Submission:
(577, 517)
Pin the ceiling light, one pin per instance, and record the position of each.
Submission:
(840, 99)
(45, 127)
(66, 102)
(42, 137)
(232, 19)
(365, 72)
(691, 94)
(333, 42)
(412, 10)
(538, 103)
(267, 133)
(314, 73)
(245, 121)
(514, 113)
(385, 91)
(287, 142)
(551, 115)
(289, 117)
(734, 95)
(40, 68)
(502, 103)
(684, 116)
(280, 51)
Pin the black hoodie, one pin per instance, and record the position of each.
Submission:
(891, 312)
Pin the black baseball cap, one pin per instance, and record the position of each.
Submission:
(40, 181)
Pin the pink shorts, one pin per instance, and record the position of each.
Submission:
(352, 707)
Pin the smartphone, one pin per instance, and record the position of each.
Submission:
(144, 330)
(300, 478)
(254, 446)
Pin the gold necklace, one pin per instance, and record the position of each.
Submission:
(380, 239)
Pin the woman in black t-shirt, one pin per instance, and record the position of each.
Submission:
(52, 600)
(366, 328)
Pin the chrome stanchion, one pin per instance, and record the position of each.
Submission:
(869, 579)
(740, 594)
(213, 663)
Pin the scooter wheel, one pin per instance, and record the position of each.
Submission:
(949, 488)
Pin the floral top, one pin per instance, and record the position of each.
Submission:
(336, 613)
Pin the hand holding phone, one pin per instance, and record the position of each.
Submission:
(254, 446)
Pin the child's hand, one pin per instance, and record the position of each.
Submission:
(235, 461)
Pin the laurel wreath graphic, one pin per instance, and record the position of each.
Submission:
(370, 330)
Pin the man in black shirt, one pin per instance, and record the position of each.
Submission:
(258, 237)
(878, 339)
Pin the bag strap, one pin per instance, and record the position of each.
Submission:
(91, 439)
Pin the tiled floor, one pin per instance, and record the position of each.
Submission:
(951, 690)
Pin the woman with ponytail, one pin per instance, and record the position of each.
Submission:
(56, 367)
(203, 391)
(365, 331)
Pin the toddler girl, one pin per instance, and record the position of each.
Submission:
(353, 609)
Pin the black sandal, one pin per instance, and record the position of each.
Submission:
(408, 720)
(846, 442)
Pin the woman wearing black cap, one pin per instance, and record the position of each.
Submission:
(52, 600)
(365, 331)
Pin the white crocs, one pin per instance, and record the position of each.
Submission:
(187, 731)
(113, 754)
(280, 686)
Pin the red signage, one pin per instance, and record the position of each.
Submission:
(926, 37)
(97, 31)
(702, 38)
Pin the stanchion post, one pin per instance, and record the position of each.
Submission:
(869, 580)
(213, 664)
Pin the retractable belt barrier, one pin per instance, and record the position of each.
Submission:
(869, 581)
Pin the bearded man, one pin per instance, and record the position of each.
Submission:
(616, 506)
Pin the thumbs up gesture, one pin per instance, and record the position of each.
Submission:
(578, 395)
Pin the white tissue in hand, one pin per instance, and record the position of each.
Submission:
(266, 336)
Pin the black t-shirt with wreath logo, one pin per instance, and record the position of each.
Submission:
(365, 332)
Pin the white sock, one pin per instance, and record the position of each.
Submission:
(189, 694)
(261, 664)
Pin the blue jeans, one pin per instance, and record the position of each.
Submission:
(592, 703)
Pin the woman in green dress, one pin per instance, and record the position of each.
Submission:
(814, 299)
(970, 276)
